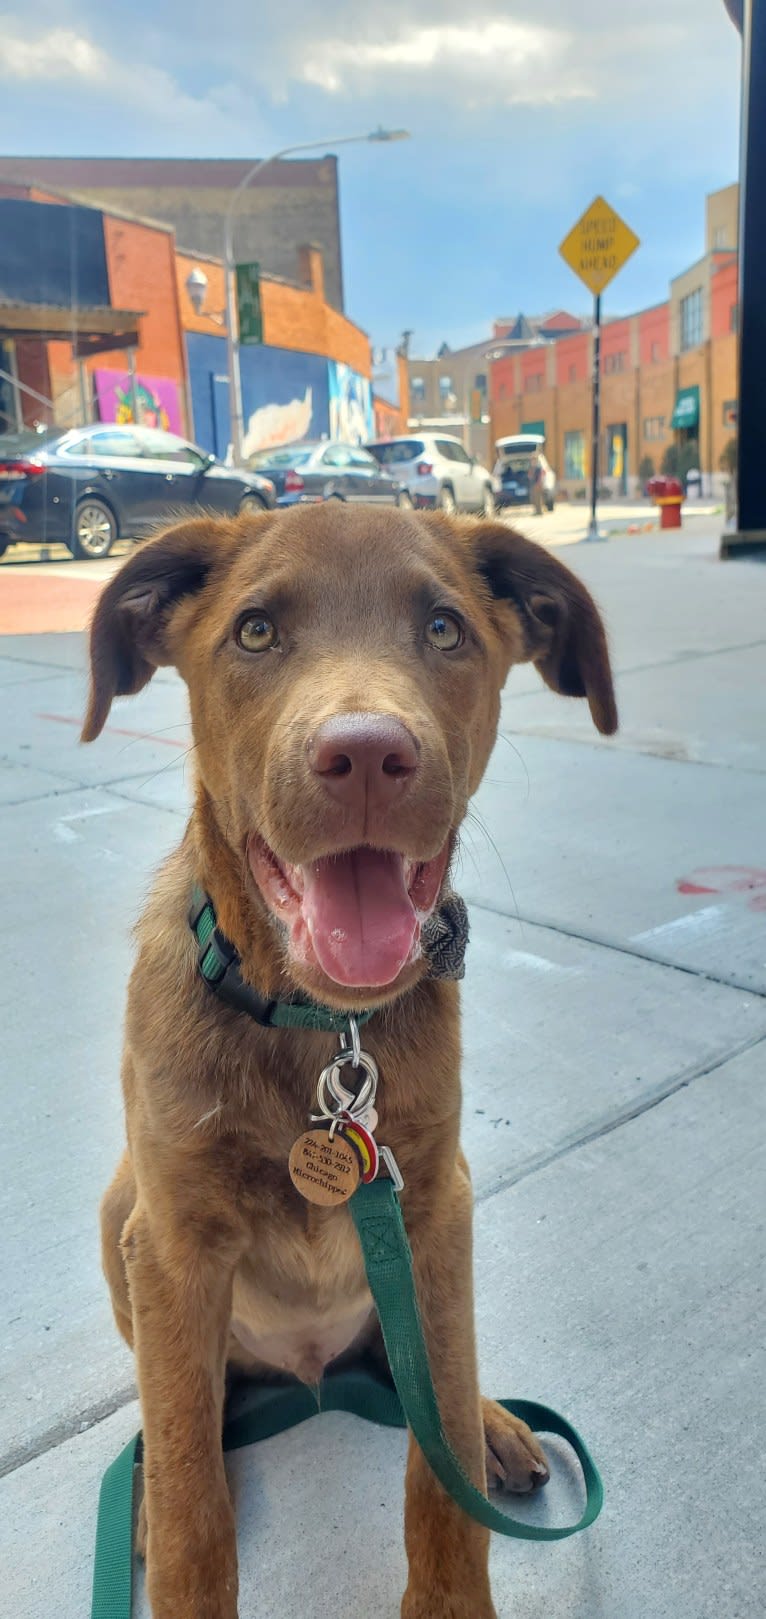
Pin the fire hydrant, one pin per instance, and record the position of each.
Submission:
(668, 494)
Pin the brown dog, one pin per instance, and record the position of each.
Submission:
(344, 671)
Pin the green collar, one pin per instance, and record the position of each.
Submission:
(219, 965)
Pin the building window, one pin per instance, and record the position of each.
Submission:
(417, 390)
(734, 317)
(719, 238)
(533, 384)
(445, 386)
(574, 455)
(614, 362)
(730, 413)
(573, 372)
(480, 382)
(654, 427)
(691, 320)
(656, 354)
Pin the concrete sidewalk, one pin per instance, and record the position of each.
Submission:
(615, 1011)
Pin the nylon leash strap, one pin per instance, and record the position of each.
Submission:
(411, 1403)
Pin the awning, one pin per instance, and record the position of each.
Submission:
(84, 326)
(686, 412)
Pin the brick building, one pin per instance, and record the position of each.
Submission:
(96, 323)
(292, 202)
(668, 375)
(450, 393)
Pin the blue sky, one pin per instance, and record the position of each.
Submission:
(519, 115)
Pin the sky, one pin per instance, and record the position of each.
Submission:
(519, 116)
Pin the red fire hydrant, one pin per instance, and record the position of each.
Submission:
(668, 494)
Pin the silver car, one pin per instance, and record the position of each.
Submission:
(437, 471)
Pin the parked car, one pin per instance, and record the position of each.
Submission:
(511, 470)
(93, 485)
(306, 473)
(437, 471)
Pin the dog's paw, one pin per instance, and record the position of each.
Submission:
(515, 1459)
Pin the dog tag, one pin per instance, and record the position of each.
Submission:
(324, 1169)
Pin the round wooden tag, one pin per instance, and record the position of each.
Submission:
(324, 1171)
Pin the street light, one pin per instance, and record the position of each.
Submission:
(196, 285)
(232, 323)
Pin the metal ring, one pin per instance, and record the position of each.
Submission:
(356, 1044)
(332, 1095)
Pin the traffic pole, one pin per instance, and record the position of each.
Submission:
(593, 533)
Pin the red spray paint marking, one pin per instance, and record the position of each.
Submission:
(116, 730)
(749, 880)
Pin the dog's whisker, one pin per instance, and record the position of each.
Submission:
(206, 1117)
(474, 816)
(501, 737)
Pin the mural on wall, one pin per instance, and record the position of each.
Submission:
(271, 425)
(156, 399)
(351, 415)
(286, 396)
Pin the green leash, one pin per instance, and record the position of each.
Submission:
(410, 1403)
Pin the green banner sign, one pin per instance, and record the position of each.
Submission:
(249, 314)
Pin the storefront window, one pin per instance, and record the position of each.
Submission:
(574, 455)
(691, 320)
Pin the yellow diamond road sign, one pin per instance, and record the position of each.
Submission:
(598, 246)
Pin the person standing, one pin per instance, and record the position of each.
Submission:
(536, 478)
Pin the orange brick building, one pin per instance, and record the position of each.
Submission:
(136, 346)
(668, 375)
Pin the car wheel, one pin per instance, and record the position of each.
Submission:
(489, 504)
(447, 501)
(95, 530)
(404, 501)
(252, 504)
(4, 544)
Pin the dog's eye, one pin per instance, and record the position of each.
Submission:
(445, 632)
(256, 633)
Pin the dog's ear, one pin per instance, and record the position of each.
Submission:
(128, 636)
(563, 632)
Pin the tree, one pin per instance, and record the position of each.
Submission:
(728, 461)
(646, 470)
(678, 460)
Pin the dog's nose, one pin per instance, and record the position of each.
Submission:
(363, 758)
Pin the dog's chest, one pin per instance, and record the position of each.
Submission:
(302, 1299)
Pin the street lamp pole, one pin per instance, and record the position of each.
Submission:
(232, 321)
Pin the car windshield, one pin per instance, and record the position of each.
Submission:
(281, 458)
(403, 449)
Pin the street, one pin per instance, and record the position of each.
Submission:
(615, 1034)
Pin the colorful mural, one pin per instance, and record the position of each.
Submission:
(351, 414)
(286, 396)
(156, 399)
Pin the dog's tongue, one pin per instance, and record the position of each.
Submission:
(360, 917)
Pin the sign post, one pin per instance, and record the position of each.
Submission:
(596, 248)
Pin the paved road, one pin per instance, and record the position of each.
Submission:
(615, 1013)
(43, 589)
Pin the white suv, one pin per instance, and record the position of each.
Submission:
(437, 471)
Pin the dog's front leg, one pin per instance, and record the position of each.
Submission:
(446, 1550)
(180, 1295)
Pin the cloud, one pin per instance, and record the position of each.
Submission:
(512, 61)
(60, 54)
(68, 60)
